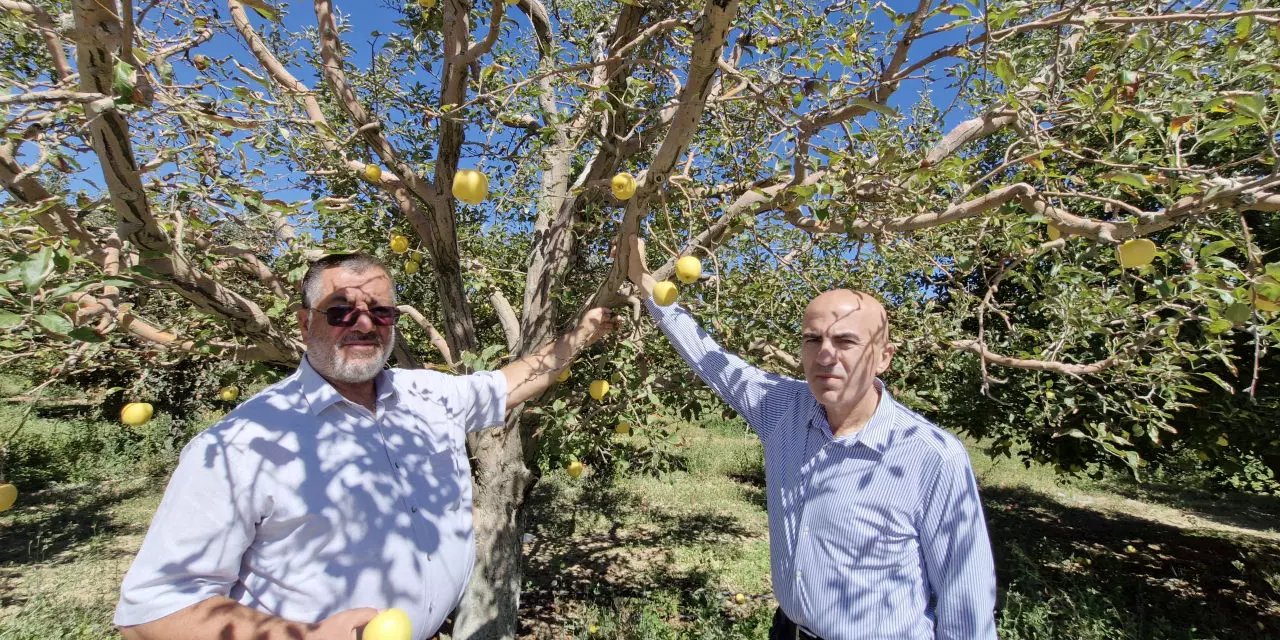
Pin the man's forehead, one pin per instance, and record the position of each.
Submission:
(346, 284)
(843, 311)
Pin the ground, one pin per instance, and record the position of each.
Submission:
(646, 557)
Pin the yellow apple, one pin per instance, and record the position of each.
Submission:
(1137, 253)
(8, 496)
(200, 61)
(373, 173)
(136, 414)
(391, 624)
(598, 389)
(411, 267)
(399, 244)
(688, 269)
(665, 293)
(623, 186)
(229, 394)
(426, 4)
(563, 375)
(740, 598)
(593, 629)
(470, 186)
(622, 429)
(574, 469)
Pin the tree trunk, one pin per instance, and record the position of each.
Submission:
(490, 604)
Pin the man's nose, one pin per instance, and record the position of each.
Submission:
(826, 352)
(364, 320)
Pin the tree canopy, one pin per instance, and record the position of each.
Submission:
(1069, 207)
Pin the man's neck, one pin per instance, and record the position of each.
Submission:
(361, 393)
(849, 420)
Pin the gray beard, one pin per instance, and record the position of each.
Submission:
(352, 372)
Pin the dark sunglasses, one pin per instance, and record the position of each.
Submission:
(342, 316)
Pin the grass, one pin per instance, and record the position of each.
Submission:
(663, 557)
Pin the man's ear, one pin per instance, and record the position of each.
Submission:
(304, 320)
(886, 357)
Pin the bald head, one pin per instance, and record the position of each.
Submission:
(855, 306)
(844, 346)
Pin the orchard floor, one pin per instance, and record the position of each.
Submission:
(647, 557)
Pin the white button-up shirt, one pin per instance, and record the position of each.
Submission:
(301, 503)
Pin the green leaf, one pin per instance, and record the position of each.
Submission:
(1214, 248)
(85, 334)
(960, 11)
(122, 81)
(872, 105)
(1251, 104)
(1238, 313)
(1221, 325)
(262, 8)
(54, 323)
(36, 269)
(1219, 381)
(1005, 71)
(1138, 181)
(8, 320)
(1243, 27)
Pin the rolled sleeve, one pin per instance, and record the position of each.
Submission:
(485, 396)
(193, 549)
(957, 555)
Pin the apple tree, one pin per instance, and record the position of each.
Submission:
(1069, 207)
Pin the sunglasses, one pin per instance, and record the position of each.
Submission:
(343, 316)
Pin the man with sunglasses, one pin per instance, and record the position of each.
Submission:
(341, 490)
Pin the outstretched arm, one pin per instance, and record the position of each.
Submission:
(759, 396)
(226, 619)
(532, 374)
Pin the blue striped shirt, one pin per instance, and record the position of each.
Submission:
(875, 535)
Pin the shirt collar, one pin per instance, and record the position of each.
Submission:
(878, 432)
(321, 395)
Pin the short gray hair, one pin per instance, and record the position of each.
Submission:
(353, 262)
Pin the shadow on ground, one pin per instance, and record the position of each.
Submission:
(48, 526)
(1153, 580)
(1062, 570)
(564, 569)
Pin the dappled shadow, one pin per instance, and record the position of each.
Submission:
(48, 526)
(1162, 578)
(621, 563)
(1248, 511)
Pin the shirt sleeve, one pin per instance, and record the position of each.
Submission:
(957, 555)
(483, 397)
(197, 539)
(760, 397)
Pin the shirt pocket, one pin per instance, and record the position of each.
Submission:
(439, 477)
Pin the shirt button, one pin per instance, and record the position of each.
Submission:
(414, 509)
(397, 465)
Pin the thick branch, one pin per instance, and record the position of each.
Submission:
(44, 24)
(434, 336)
(1064, 368)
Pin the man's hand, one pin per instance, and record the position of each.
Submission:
(343, 625)
(596, 323)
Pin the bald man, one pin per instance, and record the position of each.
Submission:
(875, 527)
